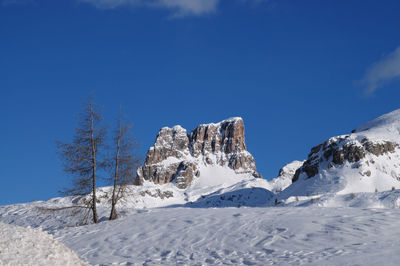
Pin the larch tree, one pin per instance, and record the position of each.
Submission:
(123, 163)
(81, 157)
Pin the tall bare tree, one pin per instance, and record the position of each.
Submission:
(81, 156)
(124, 163)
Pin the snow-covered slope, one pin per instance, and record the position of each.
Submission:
(219, 187)
(385, 200)
(241, 236)
(215, 180)
(28, 246)
(225, 236)
(366, 160)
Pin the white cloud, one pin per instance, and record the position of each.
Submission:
(254, 1)
(178, 7)
(382, 72)
(110, 4)
(189, 7)
(16, 2)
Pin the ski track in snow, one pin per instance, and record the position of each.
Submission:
(241, 236)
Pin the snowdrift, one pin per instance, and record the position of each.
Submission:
(28, 246)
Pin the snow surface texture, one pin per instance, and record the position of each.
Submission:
(386, 127)
(27, 246)
(197, 235)
(241, 236)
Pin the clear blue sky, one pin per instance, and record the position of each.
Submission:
(298, 72)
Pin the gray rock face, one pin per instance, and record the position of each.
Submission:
(169, 142)
(176, 155)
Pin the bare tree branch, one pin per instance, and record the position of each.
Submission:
(81, 156)
(122, 163)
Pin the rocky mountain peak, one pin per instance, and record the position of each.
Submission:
(177, 155)
(169, 142)
(225, 137)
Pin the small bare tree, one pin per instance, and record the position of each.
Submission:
(81, 156)
(123, 163)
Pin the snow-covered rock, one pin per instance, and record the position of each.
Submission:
(285, 176)
(28, 246)
(177, 156)
(367, 160)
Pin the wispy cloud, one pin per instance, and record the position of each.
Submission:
(16, 2)
(189, 7)
(111, 4)
(254, 1)
(179, 8)
(382, 72)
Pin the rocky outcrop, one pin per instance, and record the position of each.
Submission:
(342, 149)
(367, 160)
(176, 155)
(165, 161)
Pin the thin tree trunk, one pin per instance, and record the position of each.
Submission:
(94, 199)
(113, 214)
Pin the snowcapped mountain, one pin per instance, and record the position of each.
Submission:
(212, 159)
(367, 160)
(210, 167)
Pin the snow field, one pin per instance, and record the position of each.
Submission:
(241, 236)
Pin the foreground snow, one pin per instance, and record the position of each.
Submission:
(189, 230)
(27, 246)
(323, 233)
(241, 236)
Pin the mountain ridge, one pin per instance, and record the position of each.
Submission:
(366, 160)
